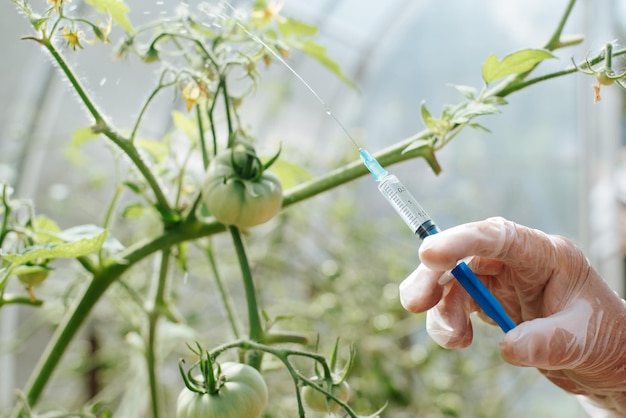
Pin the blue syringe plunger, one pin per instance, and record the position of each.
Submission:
(372, 165)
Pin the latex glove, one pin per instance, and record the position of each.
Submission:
(572, 325)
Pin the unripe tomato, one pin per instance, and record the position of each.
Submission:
(32, 275)
(317, 401)
(238, 191)
(604, 79)
(243, 394)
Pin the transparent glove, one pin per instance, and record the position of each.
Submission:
(572, 325)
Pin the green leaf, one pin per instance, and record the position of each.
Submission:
(290, 174)
(479, 127)
(134, 211)
(83, 135)
(37, 21)
(117, 9)
(46, 230)
(157, 150)
(427, 117)
(291, 27)
(137, 188)
(186, 125)
(515, 63)
(438, 126)
(467, 91)
(318, 52)
(77, 242)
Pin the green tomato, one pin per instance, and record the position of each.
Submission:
(242, 395)
(238, 191)
(317, 401)
(604, 79)
(32, 275)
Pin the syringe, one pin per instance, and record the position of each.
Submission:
(421, 224)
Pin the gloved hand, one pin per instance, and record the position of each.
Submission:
(571, 324)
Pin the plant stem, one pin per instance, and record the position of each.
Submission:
(100, 125)
(230, 314)
(555, 40)
(7, 213)
(255, 332)
(203, 150)
(154, 313)
(513, 87)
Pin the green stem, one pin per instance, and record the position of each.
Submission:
(21, 300)
(78, 87)
(101, 126)
(514, 87)
(131, 152)
(555, 40)
(230, 312)
(229, 120)
(203, 150)
(151, 97)
(7, 214)
(255, 332)
(154, 313)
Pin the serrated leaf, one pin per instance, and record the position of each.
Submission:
(467, 91)
(515, 63)
(77, 242)
(291, 27)
(318, 52)
(117, 9)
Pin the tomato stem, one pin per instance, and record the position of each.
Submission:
(222, 289)
(255, 331)
(154, 313)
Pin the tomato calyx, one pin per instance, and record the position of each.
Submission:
(211, 375)
(245, 162)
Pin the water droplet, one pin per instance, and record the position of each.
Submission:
(103, 81)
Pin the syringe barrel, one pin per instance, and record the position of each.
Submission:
(406, 206)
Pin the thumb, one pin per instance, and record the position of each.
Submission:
(551, 343)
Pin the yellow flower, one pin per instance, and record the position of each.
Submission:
(271, 12)
(193, 93)
(58, 3)
(72, 37)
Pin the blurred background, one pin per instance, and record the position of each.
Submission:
(553, 161)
